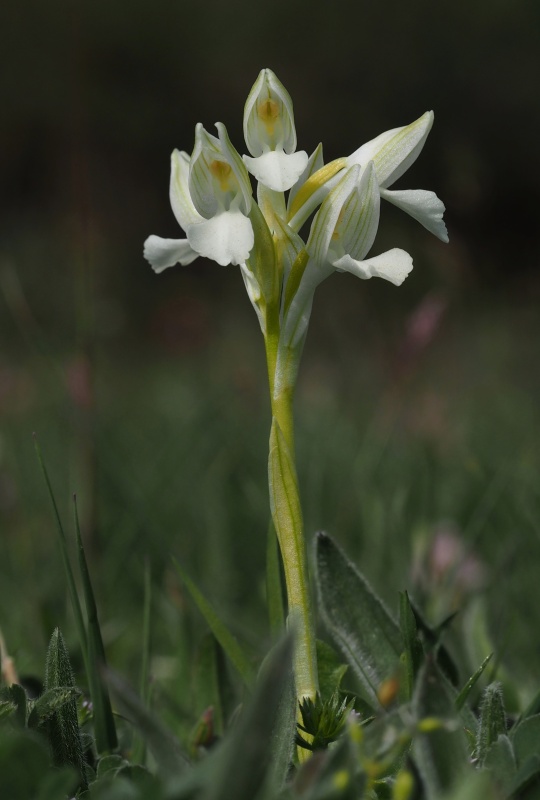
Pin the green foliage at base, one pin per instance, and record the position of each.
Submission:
(389, 722)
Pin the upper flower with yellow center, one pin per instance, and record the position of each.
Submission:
(270, 134)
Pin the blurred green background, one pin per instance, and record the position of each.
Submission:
(417, 408)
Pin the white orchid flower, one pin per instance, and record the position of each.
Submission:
(392, 153)
(270, 134)
(210, 196)
(344, 230)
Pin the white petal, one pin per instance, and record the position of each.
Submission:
(359, 218)
(424, 206)
(393, 266)
(163, 253)
(181, 202)
(276, 169)
(327, 217)
(394, 151)
(275, 131)
(226, 238)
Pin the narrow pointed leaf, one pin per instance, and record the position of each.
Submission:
(207, 684)
(144, 684)
(62, 727)
(274, 584)
(413, 652)
(74, 597)
(226, 639)
(104, 727)
(357, 619)
(465, 692)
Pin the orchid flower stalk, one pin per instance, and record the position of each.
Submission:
(212, 199)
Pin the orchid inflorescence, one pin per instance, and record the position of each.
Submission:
(212, 198)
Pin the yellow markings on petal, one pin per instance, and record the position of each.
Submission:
(268, 112)
(315, 182)
(222, 173)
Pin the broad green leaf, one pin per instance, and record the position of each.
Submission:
(440, 750)
(526, 739)
(282, 740)
(110, 763)
(62, 727)
(525, 784)
(274, 584)
(164, 746)
(357, 619)
(465, 692)
(413, 652)
(242, 763)
(492, 722)
(226, 639)
(500, 761)
(104, 726)
(331, 669)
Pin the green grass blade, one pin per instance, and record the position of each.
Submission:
(464, 693)
(74, 597)
(139, 748)
(104, 727)
(274, 584)
(227, 640)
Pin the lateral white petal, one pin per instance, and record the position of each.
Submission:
(276, 169)
(424, 206)
(226, 238)
(393, 266)
(163, 253)
(359, 218)
(181, 202)
(327, 217)
(394, 151)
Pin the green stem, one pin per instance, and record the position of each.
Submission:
(289, 526)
